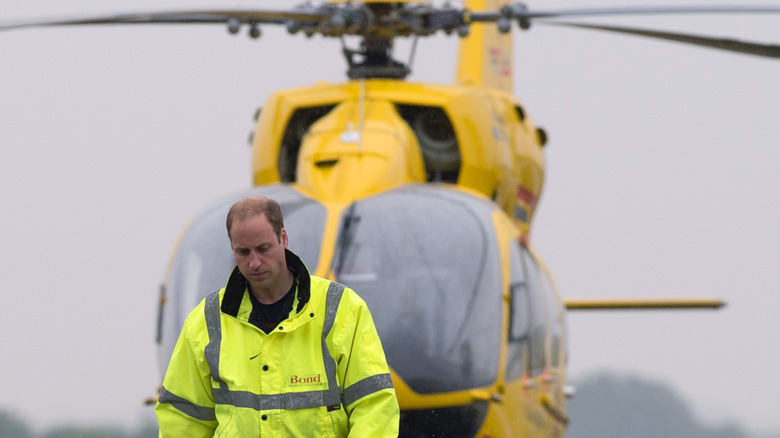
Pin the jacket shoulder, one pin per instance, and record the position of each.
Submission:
(349, 308)
(320, 285)
(195, 323)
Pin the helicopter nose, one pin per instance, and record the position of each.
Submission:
(342, 159)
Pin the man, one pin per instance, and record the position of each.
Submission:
(276, 352)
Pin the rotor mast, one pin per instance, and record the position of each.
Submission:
(374, 58)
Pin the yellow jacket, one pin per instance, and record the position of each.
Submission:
(320, 373)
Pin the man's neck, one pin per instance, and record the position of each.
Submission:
(274, 294)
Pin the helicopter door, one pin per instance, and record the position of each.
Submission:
(425, 259)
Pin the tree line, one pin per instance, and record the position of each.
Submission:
(611, 406)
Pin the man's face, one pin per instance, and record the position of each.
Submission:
(260, 255)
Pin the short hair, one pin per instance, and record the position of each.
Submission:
(254, 206)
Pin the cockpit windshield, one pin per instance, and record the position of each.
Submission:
(425, 259)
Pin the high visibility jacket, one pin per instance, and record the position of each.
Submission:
(320, 373)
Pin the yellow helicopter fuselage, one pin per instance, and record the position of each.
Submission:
(419, 197)
(341, 144)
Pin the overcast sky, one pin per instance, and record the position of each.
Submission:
(662, 181)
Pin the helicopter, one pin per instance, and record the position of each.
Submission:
(358, 211)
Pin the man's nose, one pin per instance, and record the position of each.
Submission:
(254, 260)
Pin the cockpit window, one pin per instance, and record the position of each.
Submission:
(425, 260)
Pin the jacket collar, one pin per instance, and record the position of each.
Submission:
(236, 285)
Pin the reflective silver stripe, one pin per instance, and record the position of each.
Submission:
(367, 386)
(204, 413)
(292, 400)
(258, 402)
(333, 395)
(214, 328)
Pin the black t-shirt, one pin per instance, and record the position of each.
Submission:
(267, 316)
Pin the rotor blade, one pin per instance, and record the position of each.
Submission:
(520, 12)
(214, 16)
(643, 304)
(758, 49)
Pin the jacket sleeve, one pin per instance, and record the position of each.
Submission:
(186, 404)
(368, 394)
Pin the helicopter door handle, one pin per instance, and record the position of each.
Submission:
(485, 396)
